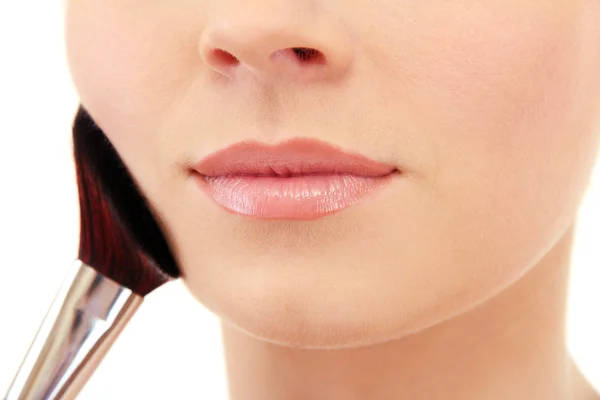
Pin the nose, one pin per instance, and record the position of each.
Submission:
(275, 39)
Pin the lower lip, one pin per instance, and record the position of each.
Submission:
(296, 197)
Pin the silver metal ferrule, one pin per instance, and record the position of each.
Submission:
(82, 323)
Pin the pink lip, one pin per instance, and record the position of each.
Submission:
(297, 179)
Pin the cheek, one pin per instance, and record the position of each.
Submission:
(132, 75)
(491, 70)
(505, 95)
(130, 61)
(507, 100)
(501, 94)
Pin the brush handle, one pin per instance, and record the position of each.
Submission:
(84, 320)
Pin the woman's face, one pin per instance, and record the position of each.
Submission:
(490, 107)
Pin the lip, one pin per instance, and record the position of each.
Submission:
(296, 179)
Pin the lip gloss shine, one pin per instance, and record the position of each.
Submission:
(298, 197)
(298, 179)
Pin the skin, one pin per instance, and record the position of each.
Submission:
(448, 284)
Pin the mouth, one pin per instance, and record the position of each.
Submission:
(298, 179)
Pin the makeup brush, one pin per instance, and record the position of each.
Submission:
(123, 256)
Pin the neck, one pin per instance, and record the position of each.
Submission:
(511, 347)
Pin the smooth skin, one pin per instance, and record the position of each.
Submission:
(451, 282)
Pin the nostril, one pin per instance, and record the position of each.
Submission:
(223, 57)
(308, 55)
(222, 60)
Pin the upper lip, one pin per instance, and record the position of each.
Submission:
(290, 158)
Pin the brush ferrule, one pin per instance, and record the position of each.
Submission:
(83, 321)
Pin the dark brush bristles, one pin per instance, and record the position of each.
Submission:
(118, 235)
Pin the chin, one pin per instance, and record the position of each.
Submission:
(329, 315)
(325, 328)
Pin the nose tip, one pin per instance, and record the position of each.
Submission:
(272, 49)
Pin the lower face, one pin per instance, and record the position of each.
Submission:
(489, 107)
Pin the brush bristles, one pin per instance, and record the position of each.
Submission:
(118, 235)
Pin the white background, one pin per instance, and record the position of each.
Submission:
(171, 349)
